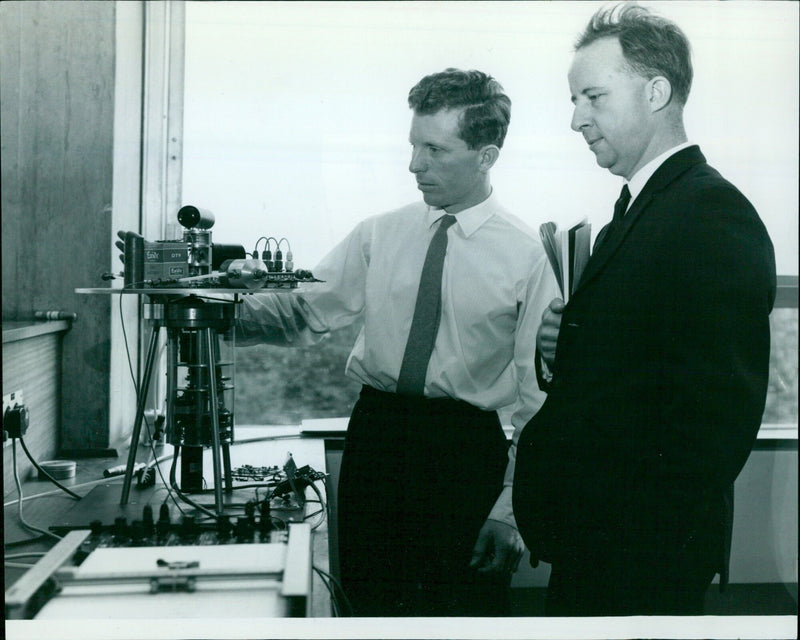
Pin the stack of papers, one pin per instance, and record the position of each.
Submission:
(568, 252)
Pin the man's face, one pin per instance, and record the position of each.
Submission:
(611, 107)
(448, 173)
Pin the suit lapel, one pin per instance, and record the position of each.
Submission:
(672, 168)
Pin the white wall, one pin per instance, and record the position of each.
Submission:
(296, 120)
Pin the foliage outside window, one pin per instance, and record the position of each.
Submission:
(782, 391)
(279, 385)
(285, 385)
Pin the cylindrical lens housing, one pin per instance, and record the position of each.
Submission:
(193, 217)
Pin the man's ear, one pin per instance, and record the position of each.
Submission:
(488, 155)
(659, 93)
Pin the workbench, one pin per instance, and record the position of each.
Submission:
(46, 506)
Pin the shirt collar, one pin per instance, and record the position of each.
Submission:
(640, 178)
(469, 220)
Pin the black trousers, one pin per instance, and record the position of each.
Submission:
(418, 480)
(630, 584)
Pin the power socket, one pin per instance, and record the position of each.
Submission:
(9, 400)
(17, 423)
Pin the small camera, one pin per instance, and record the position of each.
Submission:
(154, 264)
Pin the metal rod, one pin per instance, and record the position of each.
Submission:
(71, 578)
(226, 463)
(137, 423)
(215, 451)
(173, 335)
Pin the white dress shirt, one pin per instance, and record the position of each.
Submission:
(640, 178)
(496, 284)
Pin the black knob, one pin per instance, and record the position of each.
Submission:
(243, 530)
(120, 527)
(162, 526)
(147, 520)
(266, 524)
(250, 512)
(137, 533)
(188, 526)
(224, 527)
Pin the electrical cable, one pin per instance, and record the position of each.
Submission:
(155, 464)
(21, 543)
(323, 510)
(17, 565)
(47, 494)
(288, 262)
(316, 513)
(255, 249)
(335, 582)
(288, 436)
(173, 483)
(266, 258)
(245, 486)
(29, 554)
(22, 521)
(44, 473)
(127, 348)
(326, 582)
(334, 603)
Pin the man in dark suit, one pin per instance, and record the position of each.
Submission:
(656, 369)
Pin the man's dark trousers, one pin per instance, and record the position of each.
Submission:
(418, 480)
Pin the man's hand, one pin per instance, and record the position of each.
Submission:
(547, 336)
(498, 549)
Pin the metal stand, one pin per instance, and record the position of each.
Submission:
(205, 319)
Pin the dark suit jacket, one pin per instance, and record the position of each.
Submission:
(659, 380)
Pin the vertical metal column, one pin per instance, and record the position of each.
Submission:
(137, 423)
(212, 384)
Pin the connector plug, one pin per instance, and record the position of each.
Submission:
(15, 421)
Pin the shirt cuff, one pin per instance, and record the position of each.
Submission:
(503, 510)
(543, 374)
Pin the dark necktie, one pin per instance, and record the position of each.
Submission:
(620, 207)
(427, 312)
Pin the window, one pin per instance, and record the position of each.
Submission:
(296, 125)
(781, 408)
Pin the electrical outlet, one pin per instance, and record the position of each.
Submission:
(11, 399)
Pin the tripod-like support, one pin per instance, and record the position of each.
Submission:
(198, 322)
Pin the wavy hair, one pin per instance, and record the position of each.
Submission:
(652, 45)
(486, 108)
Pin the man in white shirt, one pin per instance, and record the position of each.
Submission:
(425, 520)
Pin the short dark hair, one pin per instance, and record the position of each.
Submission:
(652, 45)
(487, 109)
